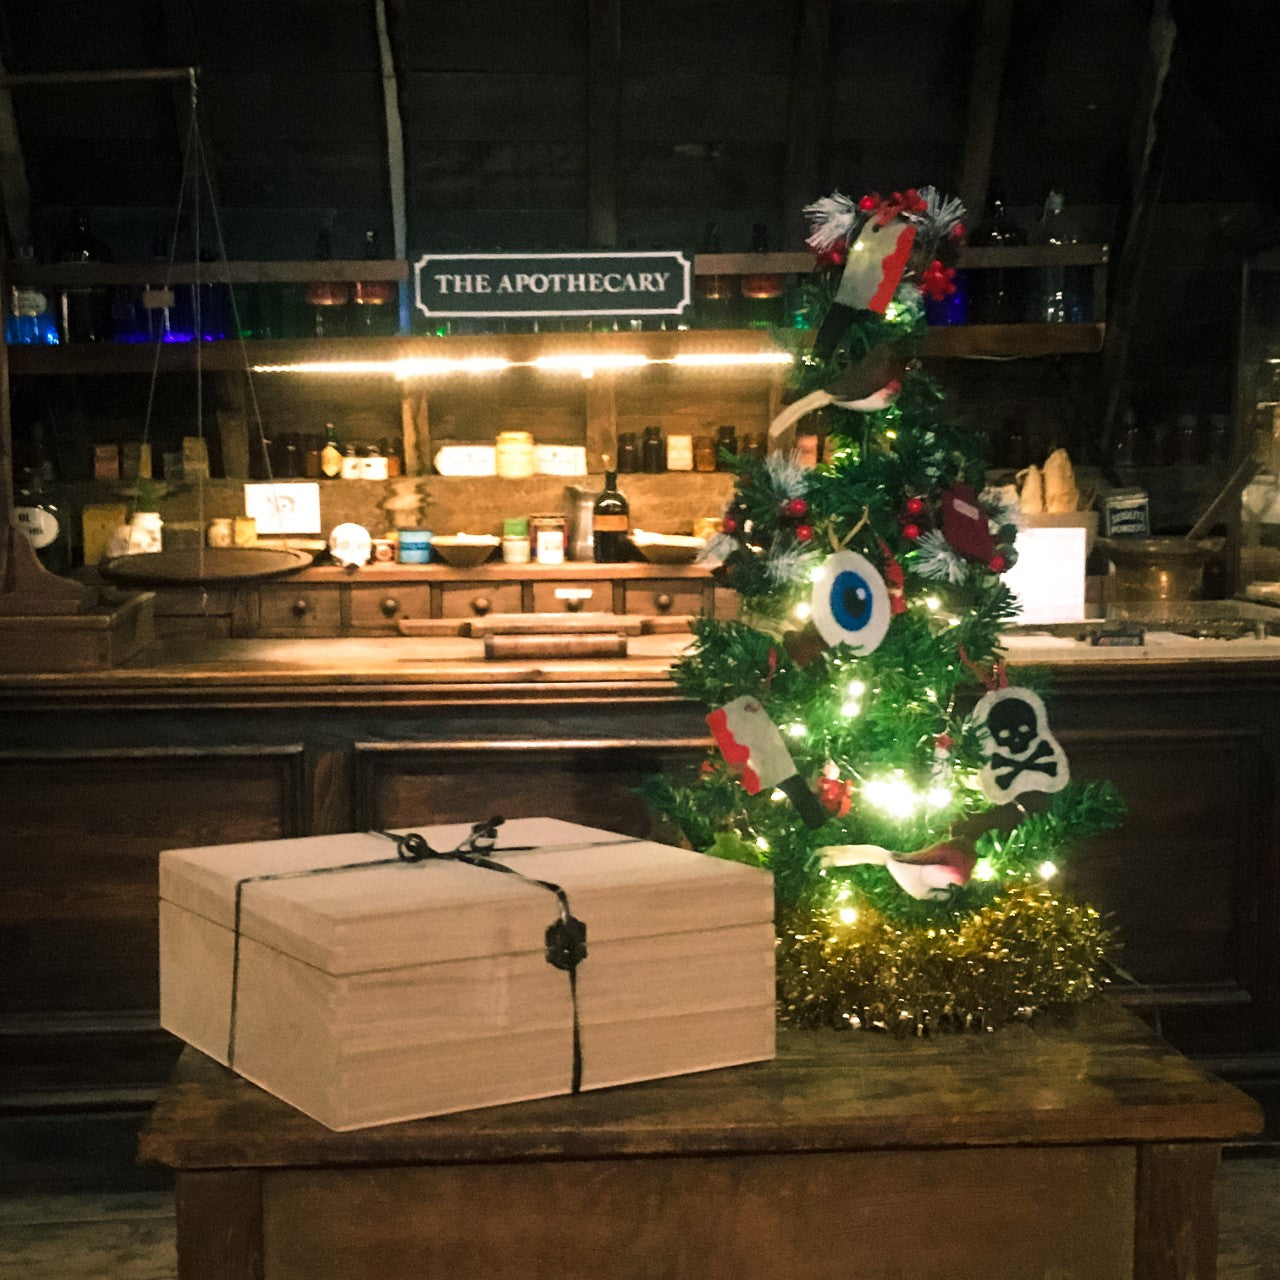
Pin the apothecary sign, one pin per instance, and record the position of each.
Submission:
(648, 283)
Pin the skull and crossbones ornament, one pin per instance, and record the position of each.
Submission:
(1021, 753)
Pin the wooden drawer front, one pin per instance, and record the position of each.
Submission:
(476, 599)
(383, 607)
(664, 599)
(300, 609)
(573, 597)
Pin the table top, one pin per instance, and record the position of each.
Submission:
(1094, 1074)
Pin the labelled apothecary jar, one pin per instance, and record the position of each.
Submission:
(514, 455)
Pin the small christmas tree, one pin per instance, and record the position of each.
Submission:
(859, 757)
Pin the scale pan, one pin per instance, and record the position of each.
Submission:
(210, 565)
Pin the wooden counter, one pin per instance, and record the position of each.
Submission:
(203, 742)
(849, 1154)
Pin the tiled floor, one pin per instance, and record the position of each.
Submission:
(130, 1237)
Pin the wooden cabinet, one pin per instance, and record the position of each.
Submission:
(376, 600)
(102, 771)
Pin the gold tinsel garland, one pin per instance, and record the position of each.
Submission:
(1030, 949)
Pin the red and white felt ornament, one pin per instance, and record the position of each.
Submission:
(748, 739)
(965, 525)
(928, 873)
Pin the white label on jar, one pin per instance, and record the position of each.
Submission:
(549, 546)
(39, 524)
(374, 468)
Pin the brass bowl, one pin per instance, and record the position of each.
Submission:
(1158, 568)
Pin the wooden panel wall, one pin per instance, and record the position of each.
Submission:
(78, 851)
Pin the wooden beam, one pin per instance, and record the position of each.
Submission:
(990, 53)
(604, 80)
(397, 182)
(15, 191)
(806, 116)
(1148, 145)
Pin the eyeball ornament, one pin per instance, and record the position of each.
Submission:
(851, 602)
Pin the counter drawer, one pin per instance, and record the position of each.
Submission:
(476, 599)
(300, 609)
(573, 597)
(663, 598)
(382, 607)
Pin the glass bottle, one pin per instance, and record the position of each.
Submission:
(1126, 450)
(29, 320)
(327, 299)
(1060, 294)
(395, 463)
(628, 454)
(1188, 441)
(610, 523)
(376, 301)
(312, 445)
(37, 512)
(331, 454)
(762, 293)
(653, 451)
(714, 296)
(726, 443)
(704, 453)
(997, 295)
(85, 310)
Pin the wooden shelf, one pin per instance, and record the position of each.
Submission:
(960, 341)
(974, 259)
(58, 275)
(1013, 341)
(62, 275)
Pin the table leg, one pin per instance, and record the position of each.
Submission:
(219, 1218)
(1176, 1225)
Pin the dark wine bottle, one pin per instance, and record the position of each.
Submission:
(610, 523)
(37, 512)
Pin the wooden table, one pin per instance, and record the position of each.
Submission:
(1083, 1148)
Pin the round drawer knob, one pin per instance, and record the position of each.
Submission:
(300, 607)
(481, 605)
(573, 606)
(390, 606)
(663, 601)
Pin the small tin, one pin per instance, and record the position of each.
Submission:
(1126, 513)
(415, 546)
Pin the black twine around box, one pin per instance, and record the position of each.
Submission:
(566, 937)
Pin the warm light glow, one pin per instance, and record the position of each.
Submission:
(851, 708)
(725, 360)
(848, 915)
(586, 363)
(589, 364)
(761, 842)
(802, 611)
(777, 794)
(896, 796)
(815, 573)
(983, 870)
(857, 688)
(1047, 871)
(796, 729)
(938, 797)
(932, 603)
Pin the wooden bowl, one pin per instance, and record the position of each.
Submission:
(464, 553)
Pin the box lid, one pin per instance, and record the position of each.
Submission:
(400, 913)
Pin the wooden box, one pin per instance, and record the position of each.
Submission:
(94, 640)
(364, 994)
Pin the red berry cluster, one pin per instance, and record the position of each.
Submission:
(835, 795)
(795, 511)
(886, 208)
(912, 510)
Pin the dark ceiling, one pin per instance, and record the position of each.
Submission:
(494, 96)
